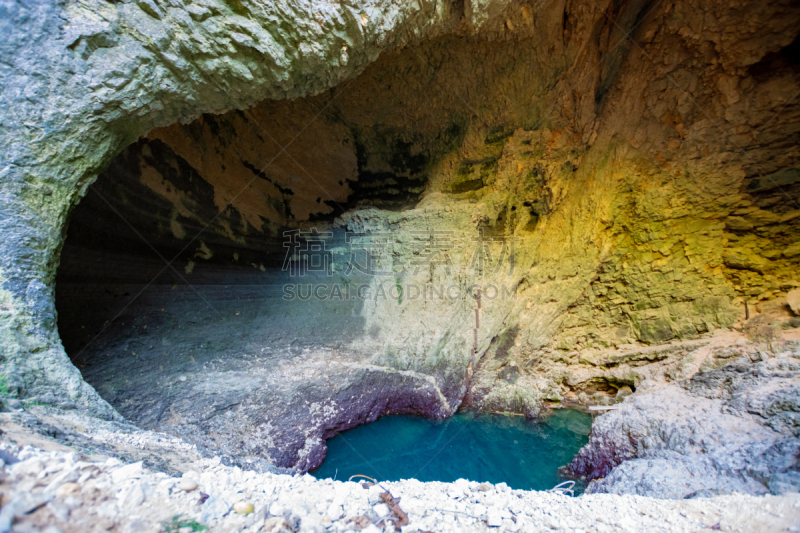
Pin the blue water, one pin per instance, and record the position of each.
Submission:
(474, 446)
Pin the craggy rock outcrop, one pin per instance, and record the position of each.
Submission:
(730, 429)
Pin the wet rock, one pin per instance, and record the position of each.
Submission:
(510, 373)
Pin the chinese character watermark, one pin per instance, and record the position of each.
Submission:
(377, 253)
(307, 252)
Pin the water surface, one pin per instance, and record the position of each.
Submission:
(475, 446)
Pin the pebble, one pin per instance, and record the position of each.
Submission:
(140, 503)
(187, 485)
(374, 494)
(131, 471)
(243, 507)
(275, 523)
(494, 518)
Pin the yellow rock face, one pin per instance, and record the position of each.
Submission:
(633, 220)
(645, 161)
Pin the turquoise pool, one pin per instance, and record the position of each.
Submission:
(476, 446)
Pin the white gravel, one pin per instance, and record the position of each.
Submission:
(58, 491)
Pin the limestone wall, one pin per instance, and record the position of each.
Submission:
(650, 182)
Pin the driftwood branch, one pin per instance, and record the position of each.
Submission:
(401, 518)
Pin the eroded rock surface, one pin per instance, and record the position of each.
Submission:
(728, 429)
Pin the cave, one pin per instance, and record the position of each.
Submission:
(251, 240)
(252, 229)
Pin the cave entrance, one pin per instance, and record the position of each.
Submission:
(205, 286)
(209, 288)
(172, 290)
(160, 281)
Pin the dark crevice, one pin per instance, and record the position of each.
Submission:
(776, 64)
